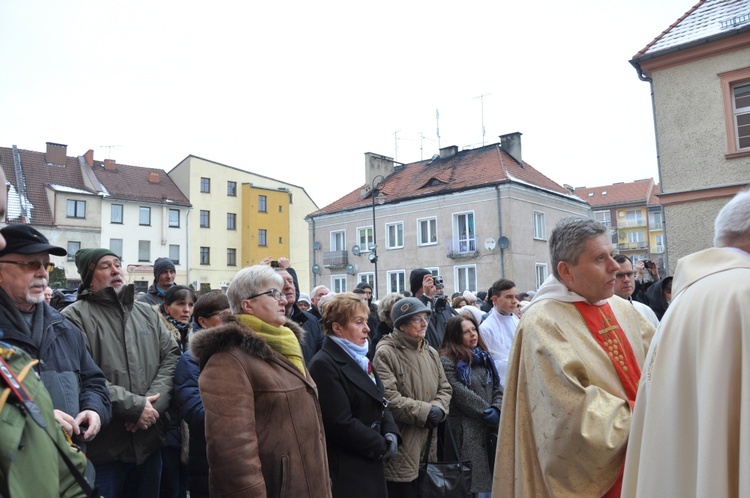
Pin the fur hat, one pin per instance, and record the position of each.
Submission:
(415, 279)
(405, 308)
(162, 265)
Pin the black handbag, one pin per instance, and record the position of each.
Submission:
(443, 479)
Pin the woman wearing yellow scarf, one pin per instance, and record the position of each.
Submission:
(264, 432)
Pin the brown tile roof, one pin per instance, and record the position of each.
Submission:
(654, 200)
(468, 169)
(38, 175)
(131, 183)
(637, 192)
(707, 20)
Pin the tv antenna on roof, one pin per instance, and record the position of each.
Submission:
(481, 99)
(109, 149)
(437, 123)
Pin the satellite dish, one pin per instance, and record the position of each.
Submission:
(489, 244)
(355, 250)
(503, 242)
(316, 245)
(316, 268)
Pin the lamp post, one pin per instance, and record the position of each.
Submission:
(373, 257)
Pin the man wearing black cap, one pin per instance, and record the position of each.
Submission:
(423, 288)
(76, 384)
(138, 355)
(164, 273)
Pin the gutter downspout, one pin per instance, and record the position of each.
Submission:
(315, 275)
(643, 77)
(187, 248)
(500, 232)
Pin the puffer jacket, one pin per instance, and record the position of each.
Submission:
(152, 296)
(138, 356)
(414, 382)
(264, 431)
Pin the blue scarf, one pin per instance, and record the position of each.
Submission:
(358, 353)
(478, 357)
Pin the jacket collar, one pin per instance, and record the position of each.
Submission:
(352, 371)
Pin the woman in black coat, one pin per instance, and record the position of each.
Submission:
(360, 431)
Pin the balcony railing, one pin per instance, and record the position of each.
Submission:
(657, 249)
(463, 247)
(656, 225)
(632, 246)
(335, 259)
(631, 223)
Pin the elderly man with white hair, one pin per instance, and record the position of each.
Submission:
(690, 433)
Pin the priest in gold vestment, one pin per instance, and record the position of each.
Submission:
(572, 377)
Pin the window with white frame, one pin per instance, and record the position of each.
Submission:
(73, 247)
(338, 283)
(427, 231)
(144, 216)
(116, 214)
(368, 278)
(174, 253)
(540, 228)
(174, 218)
(741, 114)
(338, 240)
(76, 209)
(144, 250)
(394, 235)
(735, 89)
(656, 220)
(636, 236)
(465, 277)
(364, 238)
(464, 239)
(396, 281)
(634, 217)
(604, 217)
(115, 245)
(659, 244)
(540, 270)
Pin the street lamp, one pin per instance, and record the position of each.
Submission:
(373, 257)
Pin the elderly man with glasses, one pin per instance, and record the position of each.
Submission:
(75, 383)
(625, 286)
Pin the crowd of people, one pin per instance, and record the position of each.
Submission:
(568, 390)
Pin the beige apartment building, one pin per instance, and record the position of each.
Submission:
(699, 71)
(238, 218)
(471, 216)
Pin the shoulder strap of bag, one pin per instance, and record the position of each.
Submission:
(427, 445)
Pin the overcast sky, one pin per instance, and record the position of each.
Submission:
(300, 90)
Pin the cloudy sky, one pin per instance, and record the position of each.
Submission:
(300, 90)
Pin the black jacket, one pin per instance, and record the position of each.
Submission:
(441, 313)
(355, 421)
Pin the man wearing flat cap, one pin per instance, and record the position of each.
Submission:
(138, 355)
(164, 273)
(75, 383)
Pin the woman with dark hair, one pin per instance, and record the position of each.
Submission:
(477, 397)
(210, 311)
(177, 313)
(360, 431)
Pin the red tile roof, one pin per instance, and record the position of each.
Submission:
(131, 183)
(637, 192)
(468, 169)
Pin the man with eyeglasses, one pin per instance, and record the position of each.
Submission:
(625, 286)
(138, 355)
(76, 384)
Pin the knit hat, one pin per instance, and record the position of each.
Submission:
(364, 285)
(415, 279)
(86, 261)
(162, 265)
(23, 239)
(405, 308)
(304, 297)
(469, 296)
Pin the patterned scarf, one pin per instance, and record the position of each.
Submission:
(478, 357)
(281, 339)
(182, 327)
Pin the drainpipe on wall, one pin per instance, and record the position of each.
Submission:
(315, 275)
(643, 77)
(500, 232)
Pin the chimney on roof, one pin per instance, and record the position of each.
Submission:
(511, 143)
(56, 153)
(375, 165)
(89, 156)
(153, 177)
(110, 165)
(448, 152)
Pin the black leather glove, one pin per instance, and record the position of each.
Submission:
(392, 446)
(434, 417)
(491, 416)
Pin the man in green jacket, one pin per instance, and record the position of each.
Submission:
(138, 355)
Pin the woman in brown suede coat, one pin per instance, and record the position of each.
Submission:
(264, 432)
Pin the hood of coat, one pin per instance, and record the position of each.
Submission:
(234, 334)
(701, 264)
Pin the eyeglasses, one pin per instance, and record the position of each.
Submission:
(621, 276)
(32, 265)
(419, 319)
(275, 293)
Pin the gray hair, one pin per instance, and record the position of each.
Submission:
(250, 281)
(733, 221)
(385, 305)
(569, 238)
(316, 289)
